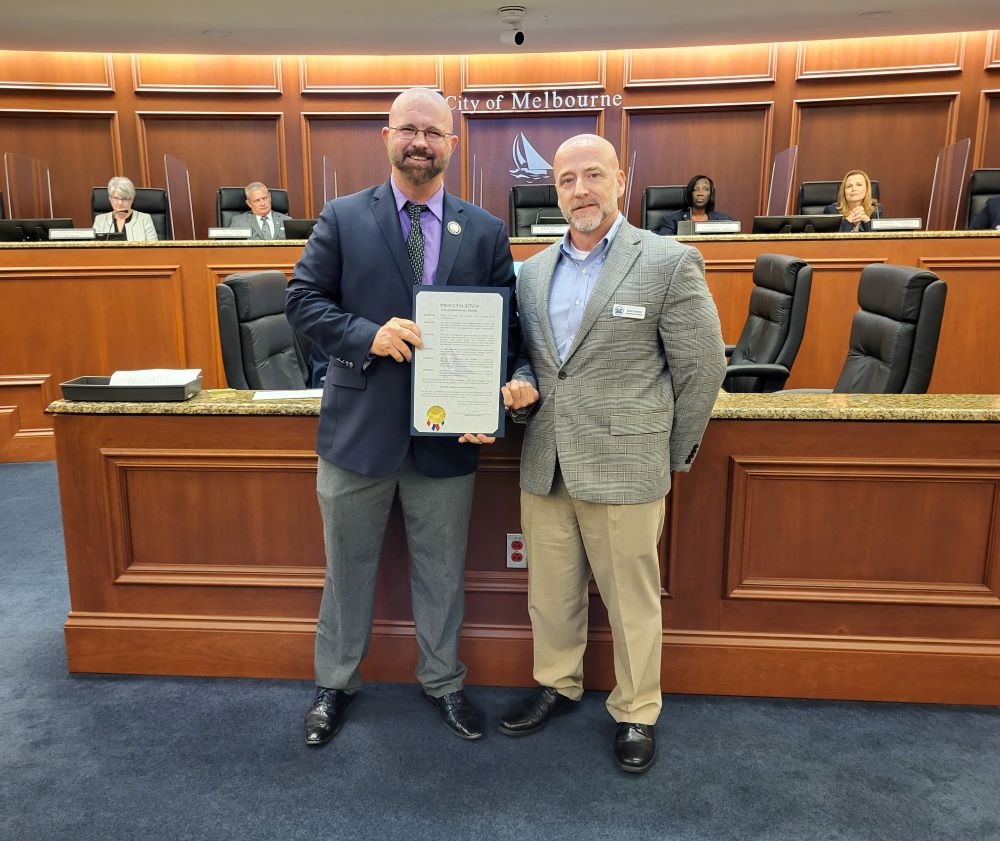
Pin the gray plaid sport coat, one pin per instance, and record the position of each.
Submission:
(632, 399)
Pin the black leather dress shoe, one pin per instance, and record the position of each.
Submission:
(531, 714)
(326, 715)
(459, 714)
(635, 747)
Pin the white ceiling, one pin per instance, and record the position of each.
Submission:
(409, 27)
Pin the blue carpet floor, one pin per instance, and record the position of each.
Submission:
(110, 757)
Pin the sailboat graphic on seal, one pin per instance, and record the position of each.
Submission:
(528, 164)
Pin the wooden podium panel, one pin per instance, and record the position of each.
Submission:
(801, 558)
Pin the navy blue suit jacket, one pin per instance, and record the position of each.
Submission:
(988, 216)
(668, 225)
(354, 275)
(848, 227)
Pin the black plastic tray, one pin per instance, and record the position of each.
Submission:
(98, 389)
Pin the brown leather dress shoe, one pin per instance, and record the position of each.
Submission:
(531, 714)
(459, 714)
(326, 715)
(635, 747)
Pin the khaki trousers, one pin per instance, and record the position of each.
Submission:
(567, 540)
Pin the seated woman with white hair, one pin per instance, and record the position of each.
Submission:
(135, 225)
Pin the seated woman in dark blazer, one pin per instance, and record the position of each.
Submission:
(988, 217)
(699, 196)
(855, 203)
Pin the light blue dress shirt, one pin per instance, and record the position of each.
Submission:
(572, 282)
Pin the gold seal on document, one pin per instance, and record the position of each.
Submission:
(435, 418)
(454, 228)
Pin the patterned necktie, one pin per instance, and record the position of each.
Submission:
(265, 227)
(415, 241)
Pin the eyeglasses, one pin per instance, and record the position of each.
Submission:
(120, 198)
(431, 135)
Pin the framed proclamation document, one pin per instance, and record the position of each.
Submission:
(457, 374)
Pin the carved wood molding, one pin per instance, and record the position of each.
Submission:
(120, 465)
(104, 60)
(951, 64)
(598, 77)
(950, 97)
(764, 75)
(749, 478)
(993, 50)
(988, 99)
(273, 86)
(434, 80)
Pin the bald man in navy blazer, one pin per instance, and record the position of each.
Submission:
(351, 295)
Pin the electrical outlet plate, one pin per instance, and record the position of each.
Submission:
(517, 554)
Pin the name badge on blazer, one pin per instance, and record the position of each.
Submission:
(626, 311)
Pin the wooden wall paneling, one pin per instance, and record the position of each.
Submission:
(488, 164)
(987, 146)
(854, 480)
(728, 142)
(221, 149)
(971, 286)
(171, 530)
(722, 65)
(370, 74)
(53, 71)
(202, 74)
(993, 50)
(10, 423)
(97, 319)
(352, 144)
(730, 282)
(82, 149)
(884, 56)
(25, 432)
(539, 71)
(825, 129)
(890, 521)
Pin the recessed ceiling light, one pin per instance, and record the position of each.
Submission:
(878, 13)
(216, 33)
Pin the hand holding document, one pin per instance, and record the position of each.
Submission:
(458, 372)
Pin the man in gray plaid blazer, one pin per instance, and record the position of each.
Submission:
(622, 339)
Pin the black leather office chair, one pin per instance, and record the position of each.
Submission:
(533, 204)
(762, 358)
(232, 201)
(147, 199)
(657, 202)
(259, 347)
(814, 196)
(894, 336)
(984, 184)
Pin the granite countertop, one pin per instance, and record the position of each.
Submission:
(790, 237)
(777, 406)
(163, 243)
(278, 243)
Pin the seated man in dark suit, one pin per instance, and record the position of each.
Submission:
(263, 222)
(699, 201)
(988, 217)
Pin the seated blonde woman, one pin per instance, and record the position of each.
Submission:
(856, 203)
(134, 224)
